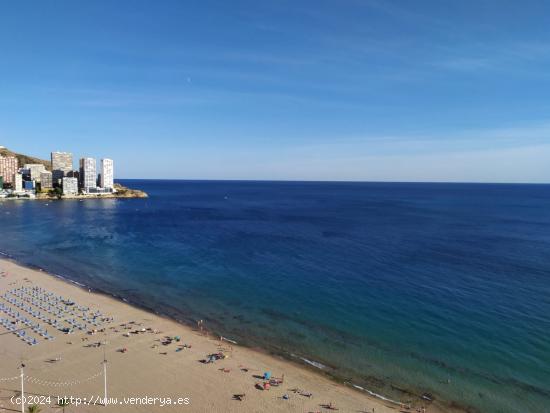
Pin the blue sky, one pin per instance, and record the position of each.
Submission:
(316, 90)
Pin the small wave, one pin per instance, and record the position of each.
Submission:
(316, 364)
(6, 254)
(228, 339)
(60, 276)
(321, 366)
(377, 395)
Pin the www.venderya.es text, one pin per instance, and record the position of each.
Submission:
(99, 400)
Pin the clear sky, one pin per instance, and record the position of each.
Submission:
(322, 90)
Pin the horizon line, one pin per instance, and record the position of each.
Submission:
(333, 181)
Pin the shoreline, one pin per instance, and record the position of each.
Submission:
(292, 360)
(122, 192)
(70, 197)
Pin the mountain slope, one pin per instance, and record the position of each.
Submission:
(23, 159)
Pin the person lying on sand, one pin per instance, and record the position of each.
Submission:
(238, 397)
(329, 406)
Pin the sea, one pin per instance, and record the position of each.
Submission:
(399, 289)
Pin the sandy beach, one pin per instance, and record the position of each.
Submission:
(148, 356)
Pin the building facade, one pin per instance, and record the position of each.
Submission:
(70, 186)
(46, 180)
(107, 174)
(62, 163)
(26, 174)
(17, 182)
(74, 174)
(9, 166)
(28, 185)
(88, 174)
(35, 169)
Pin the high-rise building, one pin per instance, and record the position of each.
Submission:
(62, 163)
(46, 180)
(8, 168)
(106, 180)
(88, 174)
(17, 182)
(70, 186)
(35, 169)
(74, 174)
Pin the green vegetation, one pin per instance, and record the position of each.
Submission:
(62, 403)
(56, 192)
(33, 409)
(124, 192)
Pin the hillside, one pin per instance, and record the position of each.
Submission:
(23, 159)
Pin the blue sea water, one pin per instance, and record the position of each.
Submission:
(440, 288)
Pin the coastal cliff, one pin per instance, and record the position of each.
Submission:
(125, 192)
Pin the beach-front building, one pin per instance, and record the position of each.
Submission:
(28, 185)
(107, 180)
(62, 163)
(35, 169)
(9, 165)
(46, 180)
(17, 182)
(88, 174)
(70, 186)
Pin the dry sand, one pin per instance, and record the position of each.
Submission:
(143, 371)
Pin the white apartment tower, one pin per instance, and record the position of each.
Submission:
(70, 186)
(35, 169)
(18, 182)
(62, 164)
(107, 181)
(88, 174)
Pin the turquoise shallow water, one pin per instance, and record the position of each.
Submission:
(441, 288)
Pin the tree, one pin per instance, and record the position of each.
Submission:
(64, 402)
(57, 192)
(34, 409)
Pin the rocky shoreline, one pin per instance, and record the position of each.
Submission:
(121, 192)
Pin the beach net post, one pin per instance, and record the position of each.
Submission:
(22, 389)
(105, 382)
